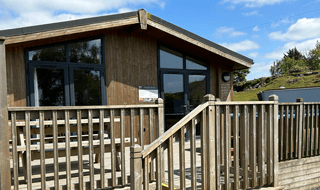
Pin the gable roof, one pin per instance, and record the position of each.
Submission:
(20, 34)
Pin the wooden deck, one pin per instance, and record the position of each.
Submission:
(36, 173)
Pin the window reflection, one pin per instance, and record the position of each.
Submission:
(173, 93)
(49, 87)
(170, 59)
(197, 89)
(86, 52)
(55, 54)
(195, 64)
(87, 87)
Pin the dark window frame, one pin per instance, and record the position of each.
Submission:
(186, 72)
(69, 67)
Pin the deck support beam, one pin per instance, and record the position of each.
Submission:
(5, 177)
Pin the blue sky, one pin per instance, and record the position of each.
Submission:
(261, 29)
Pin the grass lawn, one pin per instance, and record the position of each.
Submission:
(288, 81)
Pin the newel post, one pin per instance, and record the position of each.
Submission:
(275, 139)
(301, 109)
(210, 138)
(136, 167)
(5, 177)
(160, 130)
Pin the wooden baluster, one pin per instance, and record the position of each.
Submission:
(170, 163)
(244, 130)
(261, 144)
(68, 154)
(270, 144)
(182, 159)
(42, 151)
(158, 169)
(301, 116)
(28, 152)
(15, 156)
(55, 148)
(113, 150)
(253, 142)
(101, 135)
(203, 131)
(227, 148)
(145, 173)
(193, 155)
(80, 149)
(151, 131)
(141, 130)
(281, 133)
(91, 150)
(316, 147)
(308, 131)
(291, 133)
(211, 144)
(287, 134)
(297, 131)
(236, 146)
(218, 143)
(132, 127)
(311, 131)
(122, 136)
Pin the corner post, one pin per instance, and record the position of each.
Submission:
(275, 139)
(136, 167)
(300, 100)
(5, 177)
(210, 138)
(160, 130)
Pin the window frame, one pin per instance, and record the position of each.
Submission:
(68, 70)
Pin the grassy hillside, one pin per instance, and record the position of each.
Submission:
(288, 81)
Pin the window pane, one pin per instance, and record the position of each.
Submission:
(173, 93)
(170, 59)
(197, 89)
(87, 87)
(86, 52)
(55, 53)
(195, 64)
(49, 87)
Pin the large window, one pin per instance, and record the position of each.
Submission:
(71, 73)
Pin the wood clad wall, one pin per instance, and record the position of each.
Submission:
(131, 61)
(300, 174)
(16, 78)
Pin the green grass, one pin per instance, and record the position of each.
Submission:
(305, 81)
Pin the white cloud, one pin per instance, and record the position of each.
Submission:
(281, 22)
(19, 13)
(252, 13)
(228, 31)
(242, 46)
(303, 29)
(255, 3)
(256, 29)
(260, 67)
(302, 47)
(253, 54)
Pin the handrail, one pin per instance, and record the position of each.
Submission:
(44, 108)
(161, 139)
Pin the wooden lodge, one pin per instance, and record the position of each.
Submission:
(131, 101)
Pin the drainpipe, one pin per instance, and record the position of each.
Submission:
(5, 181)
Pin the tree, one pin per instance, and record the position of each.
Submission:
(313, 59)
(240, 75)
(294, 53)
(275, 69)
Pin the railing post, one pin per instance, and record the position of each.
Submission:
(300, 100)
(160, 130)
(275, 139)
(210, 137)
(136, 167)
(5, 177)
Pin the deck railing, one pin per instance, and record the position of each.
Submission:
(299, 130)
(250, 129)
(73, 132)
